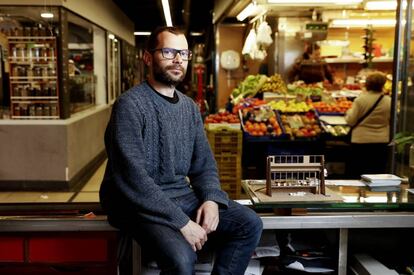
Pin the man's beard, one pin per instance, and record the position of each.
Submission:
(161, 75)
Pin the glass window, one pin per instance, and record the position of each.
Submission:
(114, 67)
(86, 78)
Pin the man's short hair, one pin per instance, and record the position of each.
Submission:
(375, 82)
(153, 38)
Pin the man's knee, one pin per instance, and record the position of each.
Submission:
(254, 223)
(182, 261)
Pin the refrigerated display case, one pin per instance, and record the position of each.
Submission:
(53, 121)
(34, 93)
(53, 67)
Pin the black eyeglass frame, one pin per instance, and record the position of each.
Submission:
(175, 51)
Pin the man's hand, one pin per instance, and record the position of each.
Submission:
(195, 235)
(208, 216)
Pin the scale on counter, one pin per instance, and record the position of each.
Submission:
(292, 180)
(295, 173)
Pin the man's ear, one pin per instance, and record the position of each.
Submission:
(147, 58)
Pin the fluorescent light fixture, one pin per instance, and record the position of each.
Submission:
(46, 14)
(342, 23)
(167, 12)
(381, 5)
(111, 36)
(196, 33)
(313, 2)
(249, 10)
(142, 33)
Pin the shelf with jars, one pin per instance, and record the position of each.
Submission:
(34, 92)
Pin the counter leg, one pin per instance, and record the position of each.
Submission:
(136, 258)
(343, 251)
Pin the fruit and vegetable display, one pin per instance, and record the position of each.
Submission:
(290, 106)
(261, 122)
(301, 88)
(222, 117)
(274, 84)
(248, 87)
(301, 125)
(247, 103)
(341, 105)
(388, 85)
(352, 86)
(336, 130)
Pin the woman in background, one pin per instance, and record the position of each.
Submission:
(370, 136)
(311, 67)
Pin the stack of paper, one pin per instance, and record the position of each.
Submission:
(381, 180)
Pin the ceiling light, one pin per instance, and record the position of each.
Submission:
(111, 36)
(167, 12)
(196, 33)
(315, 3)
(46, 14)
(342, 23)
(142, 33)
(249, 10)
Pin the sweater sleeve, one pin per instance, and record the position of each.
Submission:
(203, 172)
(353, 114)
(125, 149)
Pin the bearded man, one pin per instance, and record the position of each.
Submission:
(161, 184)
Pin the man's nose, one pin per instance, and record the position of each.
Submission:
(178, 58)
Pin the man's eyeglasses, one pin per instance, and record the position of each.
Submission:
(170, 53)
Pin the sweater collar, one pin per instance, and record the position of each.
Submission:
(173, 100)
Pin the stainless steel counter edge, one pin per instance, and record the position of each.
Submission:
(405, 220)
(54, 224)
(400, 220)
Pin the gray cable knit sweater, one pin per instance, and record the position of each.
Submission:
(152, 146)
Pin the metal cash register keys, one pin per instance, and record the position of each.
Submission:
(295, 173)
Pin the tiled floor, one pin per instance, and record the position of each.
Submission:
(89, 193)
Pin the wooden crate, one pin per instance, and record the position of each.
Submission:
(226, 145)
(225, 141)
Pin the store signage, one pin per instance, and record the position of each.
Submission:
(319, 26)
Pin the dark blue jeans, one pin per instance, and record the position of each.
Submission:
(234, 241)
